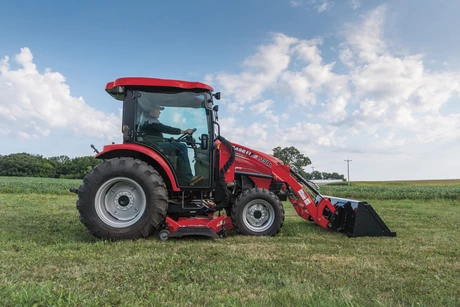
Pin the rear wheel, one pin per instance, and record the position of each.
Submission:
(122, 198)
(258, 212)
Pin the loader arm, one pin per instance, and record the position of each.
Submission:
(355, 218)
(305, 198)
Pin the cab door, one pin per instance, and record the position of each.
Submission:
(188, 155)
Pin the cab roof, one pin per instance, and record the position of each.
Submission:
(113, 87)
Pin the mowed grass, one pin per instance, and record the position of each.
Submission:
(48, 258)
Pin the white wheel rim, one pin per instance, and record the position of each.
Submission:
(258, 215)
(120, 202)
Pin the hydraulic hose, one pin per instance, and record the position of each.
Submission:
(225, 168)
(306, 182)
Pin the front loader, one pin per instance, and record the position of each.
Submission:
(145, 184)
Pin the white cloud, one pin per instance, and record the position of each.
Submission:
(231, 130)
(235, 108)
(308, 137)
(324, 6)
(319, 5)
(355, 4)
(296, 3)
(379, 100)
(346, 57)
(262, 107)
(299, 86)
(308, 50)
(366, 39)
(393, 91)
(258, 130)
(335, 108)
(261, 70)
(34, 104)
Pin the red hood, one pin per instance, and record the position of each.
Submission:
(253, 161)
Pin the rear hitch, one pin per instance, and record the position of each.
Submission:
(73, 190)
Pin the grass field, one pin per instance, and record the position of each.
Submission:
(38, 185)
(47, 258)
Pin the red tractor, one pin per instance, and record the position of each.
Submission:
(197, 183)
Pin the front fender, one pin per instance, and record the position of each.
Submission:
(140, 152)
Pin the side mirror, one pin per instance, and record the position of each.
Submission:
(204, 141)
(216, 95)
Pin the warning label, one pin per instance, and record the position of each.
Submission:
(304, 196)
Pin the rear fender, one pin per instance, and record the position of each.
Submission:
(142, 153)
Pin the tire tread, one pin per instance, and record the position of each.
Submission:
(156, 193)
(252, 194)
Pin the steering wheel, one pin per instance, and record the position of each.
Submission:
(186, 137)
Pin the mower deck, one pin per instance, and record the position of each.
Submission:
(210, 226)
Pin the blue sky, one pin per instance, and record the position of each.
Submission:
(377, 82)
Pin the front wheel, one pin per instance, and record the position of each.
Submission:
(122, 198)
(258, 212)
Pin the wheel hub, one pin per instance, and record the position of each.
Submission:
(257, 214)
(120, 202)
(124, 201)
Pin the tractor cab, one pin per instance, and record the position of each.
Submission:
(178, 126)
(175, 122)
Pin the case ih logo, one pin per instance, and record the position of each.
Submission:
(246, 152)
(253, 155)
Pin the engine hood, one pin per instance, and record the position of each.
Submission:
(253, 161)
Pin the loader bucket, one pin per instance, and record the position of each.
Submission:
(358, 219)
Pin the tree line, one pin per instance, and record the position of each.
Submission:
(28, 165)
(298, 162)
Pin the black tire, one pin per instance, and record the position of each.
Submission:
(258, 212)
(122, 198)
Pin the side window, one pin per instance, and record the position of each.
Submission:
(160, 127)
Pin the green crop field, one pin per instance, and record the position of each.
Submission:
(38, 185)
(391, 192)
(47, 258)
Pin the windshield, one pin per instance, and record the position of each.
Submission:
(184, 110)
(173, 99)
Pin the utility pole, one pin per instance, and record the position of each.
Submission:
(348, 170)
(312, 170)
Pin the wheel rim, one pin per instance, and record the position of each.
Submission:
(120, 202)
(258, 215)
